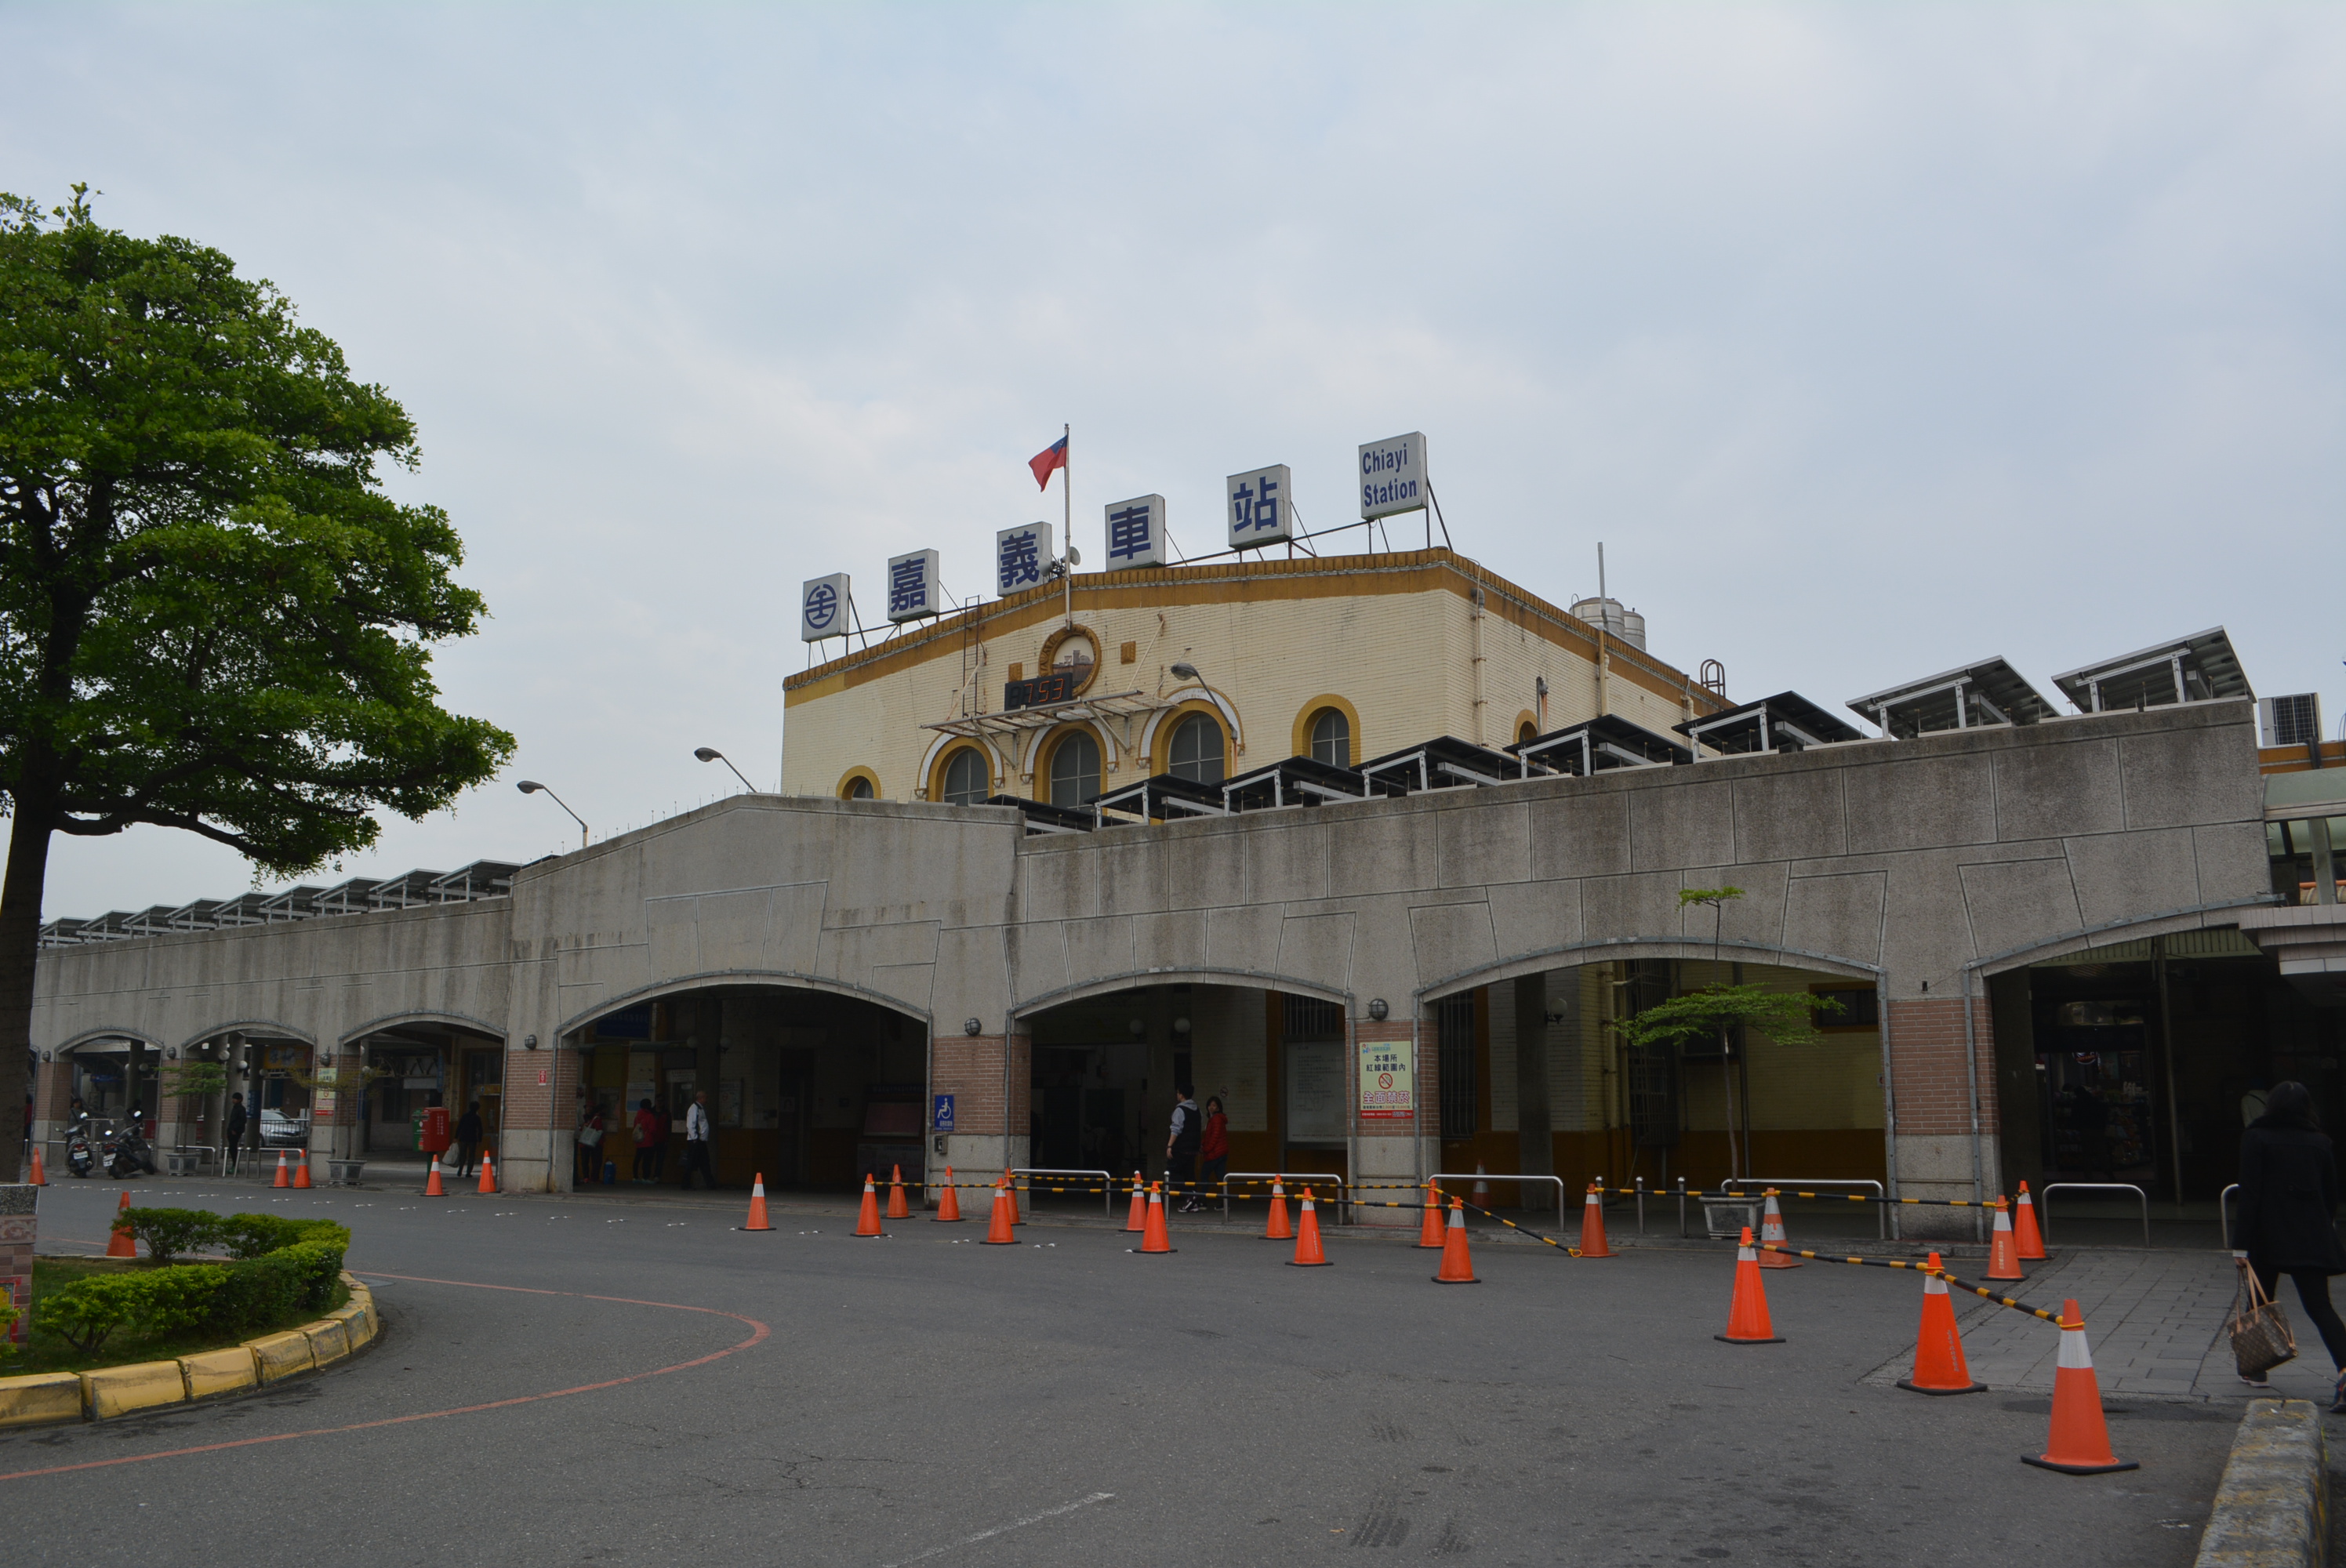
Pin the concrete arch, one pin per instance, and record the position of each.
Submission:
(1251, 979)
(1030, 760)
(1615, 949)
(421, 1015)
(2160, 923)
(774, 979)
(928, 778)
(262, 1025)
(93, 1036)
(1173, 708)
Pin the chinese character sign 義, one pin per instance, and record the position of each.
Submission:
(1386, 1088)
(1135, 533)
(1393, 477)
(823, 608)
(913, 586)
(1021, 556)
(1260, 512)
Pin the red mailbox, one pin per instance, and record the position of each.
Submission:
(433, 1139)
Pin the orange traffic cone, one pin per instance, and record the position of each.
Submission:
(867, 1222)
(2024, 1231)
(301, 1170)
(897, 1208)
(281, 1178)
(120, 1244)
(488, 1184)
(40, 1176)
(948, 1207)
(2080, 1442)
(1746, 1314)
(997, 1226)
(1480, 1195)
(1457, 1264)
(758, 1204)
(1307, 1239)
(1153, 1240)
(1771, 1228)
(1592, 1224)
(2003, 1262)
(1138, 1220)
(431, 1188)
(1432, 1232)
(1277, 1230)
(1939, 1364)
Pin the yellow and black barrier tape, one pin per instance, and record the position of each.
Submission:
(1952, 1283)
(1756, 1194)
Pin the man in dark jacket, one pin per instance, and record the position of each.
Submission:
(235, 1129)
(1181, 1150)
(2289, 1204)
(469, 1129)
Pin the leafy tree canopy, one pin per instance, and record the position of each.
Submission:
(1787, 1017)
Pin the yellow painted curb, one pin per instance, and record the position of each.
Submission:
(281, 1356)
(40, 1397)
(328, 1343)
(118, 1391)
(225, 1371)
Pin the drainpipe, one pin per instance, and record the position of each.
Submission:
(1971, 1084)
(1475, 657)
(1888, 1094)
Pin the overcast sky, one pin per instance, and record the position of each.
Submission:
(1871, 340)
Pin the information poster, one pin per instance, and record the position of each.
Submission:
(1315, 1092)
(1387, 1091)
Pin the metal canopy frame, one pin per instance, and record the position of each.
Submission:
(1449, 759)
(2200, 667)
(413, 891)
(1300, 781)
(1166, 798)
(1766, 725)
(1600, 744)
(1017, 720)
(1041, 817)
(1987, 692)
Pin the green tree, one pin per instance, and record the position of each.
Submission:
(212, 614)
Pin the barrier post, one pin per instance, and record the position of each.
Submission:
(2224, 1213)
(1681, 1208)
(1880, 1205)
(2045, 1204)
(1291, 1178)
(1495, 1175)
(1107, 1185)
(1641, 1206)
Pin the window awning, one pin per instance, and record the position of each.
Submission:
(1017, 720)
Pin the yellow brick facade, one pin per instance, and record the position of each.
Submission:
(1415, 645)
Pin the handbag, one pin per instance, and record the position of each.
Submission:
(2262, 1340)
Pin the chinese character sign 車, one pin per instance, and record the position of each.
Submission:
(1135, 533)
(1261, 509)
(913, 586)
(1021, 556)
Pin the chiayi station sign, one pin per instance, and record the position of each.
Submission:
(1393, 477)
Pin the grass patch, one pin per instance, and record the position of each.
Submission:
(48, 1351)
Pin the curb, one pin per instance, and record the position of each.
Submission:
(46, 1399)
(2271, 1508)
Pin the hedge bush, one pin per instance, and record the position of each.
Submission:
(283, 1266)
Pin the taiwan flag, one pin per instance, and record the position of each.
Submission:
(1051, 457)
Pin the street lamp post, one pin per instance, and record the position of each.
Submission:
(710, 754)
(532, 787)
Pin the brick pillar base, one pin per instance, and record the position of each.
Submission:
(1934, 1110)
(19, 1227)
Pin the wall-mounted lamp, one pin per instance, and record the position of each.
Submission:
(1137, 1028)
(1377, 1008)
(170, 1053)
(529, 1041)
(971, 1027)
(1180, 1026)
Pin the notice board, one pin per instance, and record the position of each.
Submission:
(1315, 1092)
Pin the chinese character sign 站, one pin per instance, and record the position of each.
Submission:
(1261, 509)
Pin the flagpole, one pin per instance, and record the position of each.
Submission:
(1067, 509)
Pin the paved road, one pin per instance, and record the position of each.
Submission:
(804, 1397)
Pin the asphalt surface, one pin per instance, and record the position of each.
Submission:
(587, 1379)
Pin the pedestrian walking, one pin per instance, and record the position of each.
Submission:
(468, 1139)
(2289, 1207)
(697, 1141)
(235, 1134)
(1213, 1149)
(590, 1145)
(1181, 1149)
(651, 1142)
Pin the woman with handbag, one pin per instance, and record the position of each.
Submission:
(2289, 1203)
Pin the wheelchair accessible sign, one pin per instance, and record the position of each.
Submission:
(943, 1121)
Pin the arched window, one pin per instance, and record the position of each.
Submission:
(1198, 749)
(1075, 770)
(858, 788)
(965, 777)
(1527, 730)
(1331, 738)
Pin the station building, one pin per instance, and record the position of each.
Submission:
(1375, 849)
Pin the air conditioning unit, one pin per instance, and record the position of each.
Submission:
(2290, 721)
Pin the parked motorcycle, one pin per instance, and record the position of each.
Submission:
(80, 1154)
(129, 1155)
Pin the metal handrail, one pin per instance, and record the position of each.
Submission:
(2224, 1215)
(1296, 1177)
(1496, 1176)
(1880, 1209)
(2045, 1207)
(1107, 1184)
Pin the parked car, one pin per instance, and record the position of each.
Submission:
(280, 1131)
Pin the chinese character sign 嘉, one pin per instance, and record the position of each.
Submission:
(1021, 555)
(1387, 1087)
(1261, 510)
(913, 586)
(1136, 532)
(823, 608)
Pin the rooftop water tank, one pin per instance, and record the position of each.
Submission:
(1617, 620)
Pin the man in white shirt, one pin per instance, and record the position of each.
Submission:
(698, 1142)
